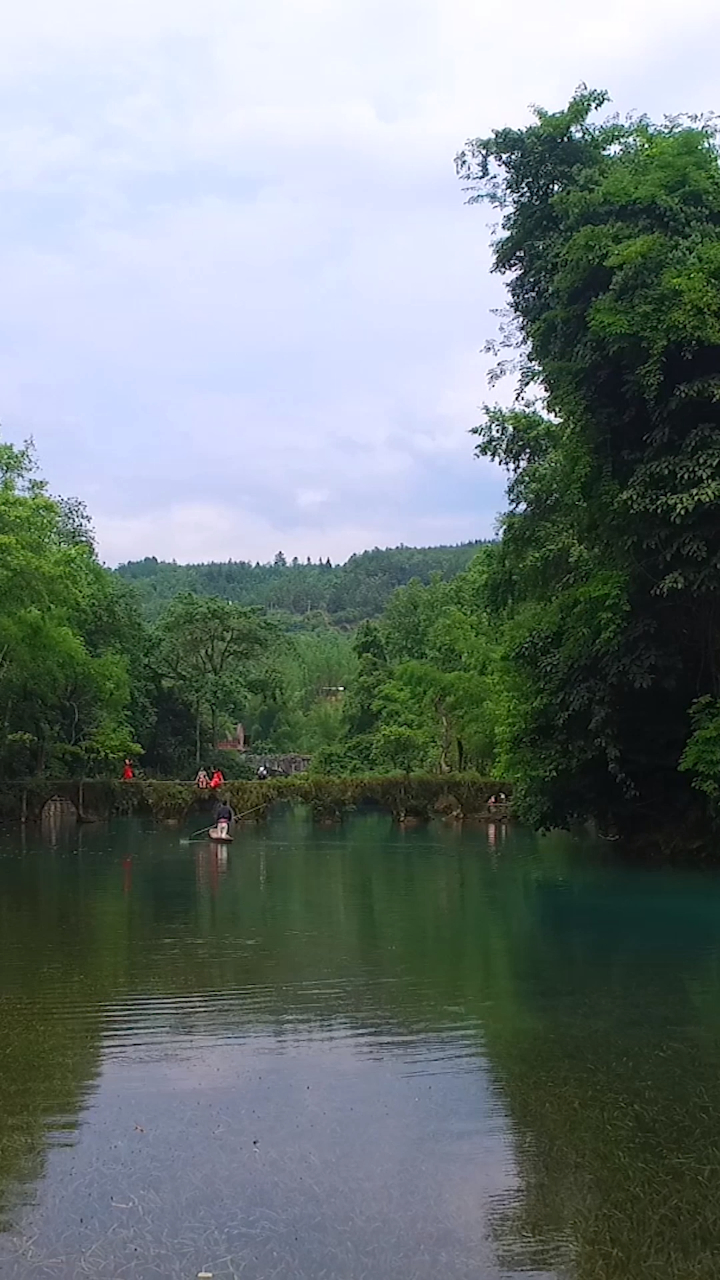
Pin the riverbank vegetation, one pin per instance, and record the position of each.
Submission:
(578, 656)
(607, 580)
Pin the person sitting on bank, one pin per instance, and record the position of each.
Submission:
(202, 780)
(262, 773)
(127, 772)
(217, 779)
(223, 817)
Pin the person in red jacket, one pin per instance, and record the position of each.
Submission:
(127, 772)
(217, 779)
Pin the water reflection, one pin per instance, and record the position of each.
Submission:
(355, 1052)
(212, 863)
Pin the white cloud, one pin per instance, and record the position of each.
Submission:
(309, 498)
(236, 260)
(204, 530)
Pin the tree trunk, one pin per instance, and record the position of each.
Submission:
(444, 766)
(6, 724)
(197, 735)
(42, 749)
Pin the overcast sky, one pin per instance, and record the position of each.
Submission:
(243, 300)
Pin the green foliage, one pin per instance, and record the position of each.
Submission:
(425, 694)
(701, 757)
(603, 590)
(214, 655)
(84, 681)
(344, 595)
(400, 747)
(313, 670)
(64, 678)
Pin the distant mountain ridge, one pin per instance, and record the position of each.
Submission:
(347, 593)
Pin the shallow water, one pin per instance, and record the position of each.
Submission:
(355, 1053)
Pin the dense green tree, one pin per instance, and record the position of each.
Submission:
(607, 582)
(85, 681)
(352, 750)
(64, 678)
(314, 670)
(214, 655)
(345, 594)
(426, 693)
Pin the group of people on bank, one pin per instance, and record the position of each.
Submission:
(204, 780)
(212, 782)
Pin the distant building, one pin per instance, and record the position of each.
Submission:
(238, 743)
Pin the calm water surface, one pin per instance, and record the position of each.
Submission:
(430, 1055)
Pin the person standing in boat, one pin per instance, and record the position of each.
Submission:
(223, 817)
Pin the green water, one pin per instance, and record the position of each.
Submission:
(429, 1055)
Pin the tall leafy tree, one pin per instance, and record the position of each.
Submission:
(64, 682)
(608, 579)
(214, 654)
(425, 695)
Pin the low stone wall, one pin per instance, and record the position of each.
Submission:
(92, 799)
(407, 798)
(284, 766)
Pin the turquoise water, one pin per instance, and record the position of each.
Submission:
(355, 1052)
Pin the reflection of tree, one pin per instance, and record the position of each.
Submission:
(612, 1079)
(339, 929)
(590, 992)
(49, 1035)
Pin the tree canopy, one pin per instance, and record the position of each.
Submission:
(64, 680)
(214, 654)
(344, 594)
(86, 679)
(606, 582)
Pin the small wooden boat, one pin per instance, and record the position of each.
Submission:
(220, 834)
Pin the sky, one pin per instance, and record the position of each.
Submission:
(244, 302)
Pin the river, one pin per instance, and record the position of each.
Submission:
(354, 1052)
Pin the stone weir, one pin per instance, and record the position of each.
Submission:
(409, 798)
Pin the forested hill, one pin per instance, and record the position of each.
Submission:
(348, 592)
